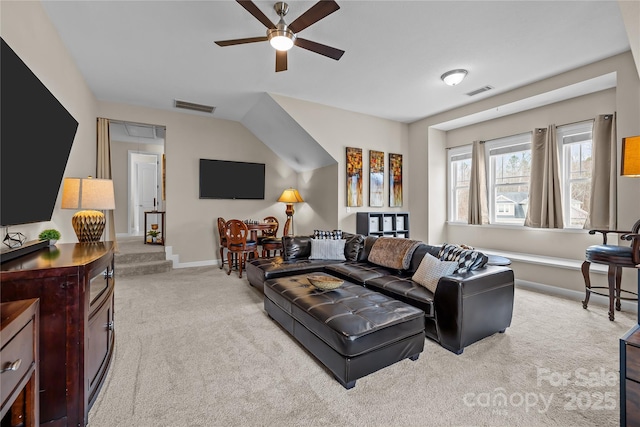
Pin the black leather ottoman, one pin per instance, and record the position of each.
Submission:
(351, 330)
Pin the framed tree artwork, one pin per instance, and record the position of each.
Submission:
(395, 180)
(376, 178)
(354, 176)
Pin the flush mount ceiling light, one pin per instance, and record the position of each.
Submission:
(453, 77)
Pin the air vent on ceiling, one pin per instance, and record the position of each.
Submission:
(195, 107)
(477, 91)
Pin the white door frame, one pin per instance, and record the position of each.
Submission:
(134, 227)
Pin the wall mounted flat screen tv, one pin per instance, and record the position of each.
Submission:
(223, 179)
(36, 135)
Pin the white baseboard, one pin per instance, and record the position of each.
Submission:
(631, 306)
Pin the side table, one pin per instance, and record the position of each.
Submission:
(154, 233)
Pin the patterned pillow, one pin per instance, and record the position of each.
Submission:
(467, 260)
(322, 234)
(328, 249)
(431, 269)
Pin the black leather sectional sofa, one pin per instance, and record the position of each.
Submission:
(464, 309)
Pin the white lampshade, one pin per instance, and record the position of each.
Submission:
(88, 193)
(454, 77)
(92, 196)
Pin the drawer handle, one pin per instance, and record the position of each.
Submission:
(13, 366)
(110, 326)
(108, 274)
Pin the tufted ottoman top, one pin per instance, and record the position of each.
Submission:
(351, 319)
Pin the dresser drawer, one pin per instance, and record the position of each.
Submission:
(633, 362)
(19, 348)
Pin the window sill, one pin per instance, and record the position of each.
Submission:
(521, 228)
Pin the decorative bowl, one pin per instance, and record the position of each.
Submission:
(325, 282)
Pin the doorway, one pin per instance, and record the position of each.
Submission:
(137, 156)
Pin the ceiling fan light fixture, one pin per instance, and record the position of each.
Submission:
(454, 77)
(281, 39)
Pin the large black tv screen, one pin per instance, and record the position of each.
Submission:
(36, 135)
(223, 179)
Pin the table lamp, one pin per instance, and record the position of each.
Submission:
(89, 194)
(290, 196)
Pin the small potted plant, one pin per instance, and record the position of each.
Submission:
(51, 235)
(154, 235)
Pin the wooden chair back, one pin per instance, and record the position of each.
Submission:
(273, 231)
(236, 233)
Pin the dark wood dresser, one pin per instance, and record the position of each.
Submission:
(19, 363)
(630, 378)
(75, 284)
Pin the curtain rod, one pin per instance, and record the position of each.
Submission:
(606, 117)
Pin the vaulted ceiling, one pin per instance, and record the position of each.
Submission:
(152, 53)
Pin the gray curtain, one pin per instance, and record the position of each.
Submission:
(602, 204)
(103, 170)
(545, 196)
(478, 210)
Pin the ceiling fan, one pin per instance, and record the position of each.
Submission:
(282, 36)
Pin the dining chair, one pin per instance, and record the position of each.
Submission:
(222, 239)
(236, 233)
(616, 257)
(269, 241)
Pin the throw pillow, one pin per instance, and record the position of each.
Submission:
(467, 260)
(325, 234)
(327, 249)
(431, 269)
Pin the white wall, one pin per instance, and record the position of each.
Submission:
(337, 129)
(429, 145)
(26, 28)
(191, 229)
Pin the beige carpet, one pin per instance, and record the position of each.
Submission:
(194, 347)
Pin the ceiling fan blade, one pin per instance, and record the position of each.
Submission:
(315, 13)
(257, 13)
(241, 41)
(328, 51)
(281, 60)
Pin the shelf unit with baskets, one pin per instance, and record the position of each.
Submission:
(390, 224)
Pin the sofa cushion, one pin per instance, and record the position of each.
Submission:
(418, 254)
(393, 252)
(353, 246)
(327, 249)
(296, 247)
(430, 271)
(467, 259)
(406, 290)
(357, 272)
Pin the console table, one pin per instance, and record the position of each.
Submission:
(75, 285)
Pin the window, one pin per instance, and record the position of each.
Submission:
(459, 176)
(508, 172)
(575, 142)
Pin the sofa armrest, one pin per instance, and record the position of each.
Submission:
(474, 305)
